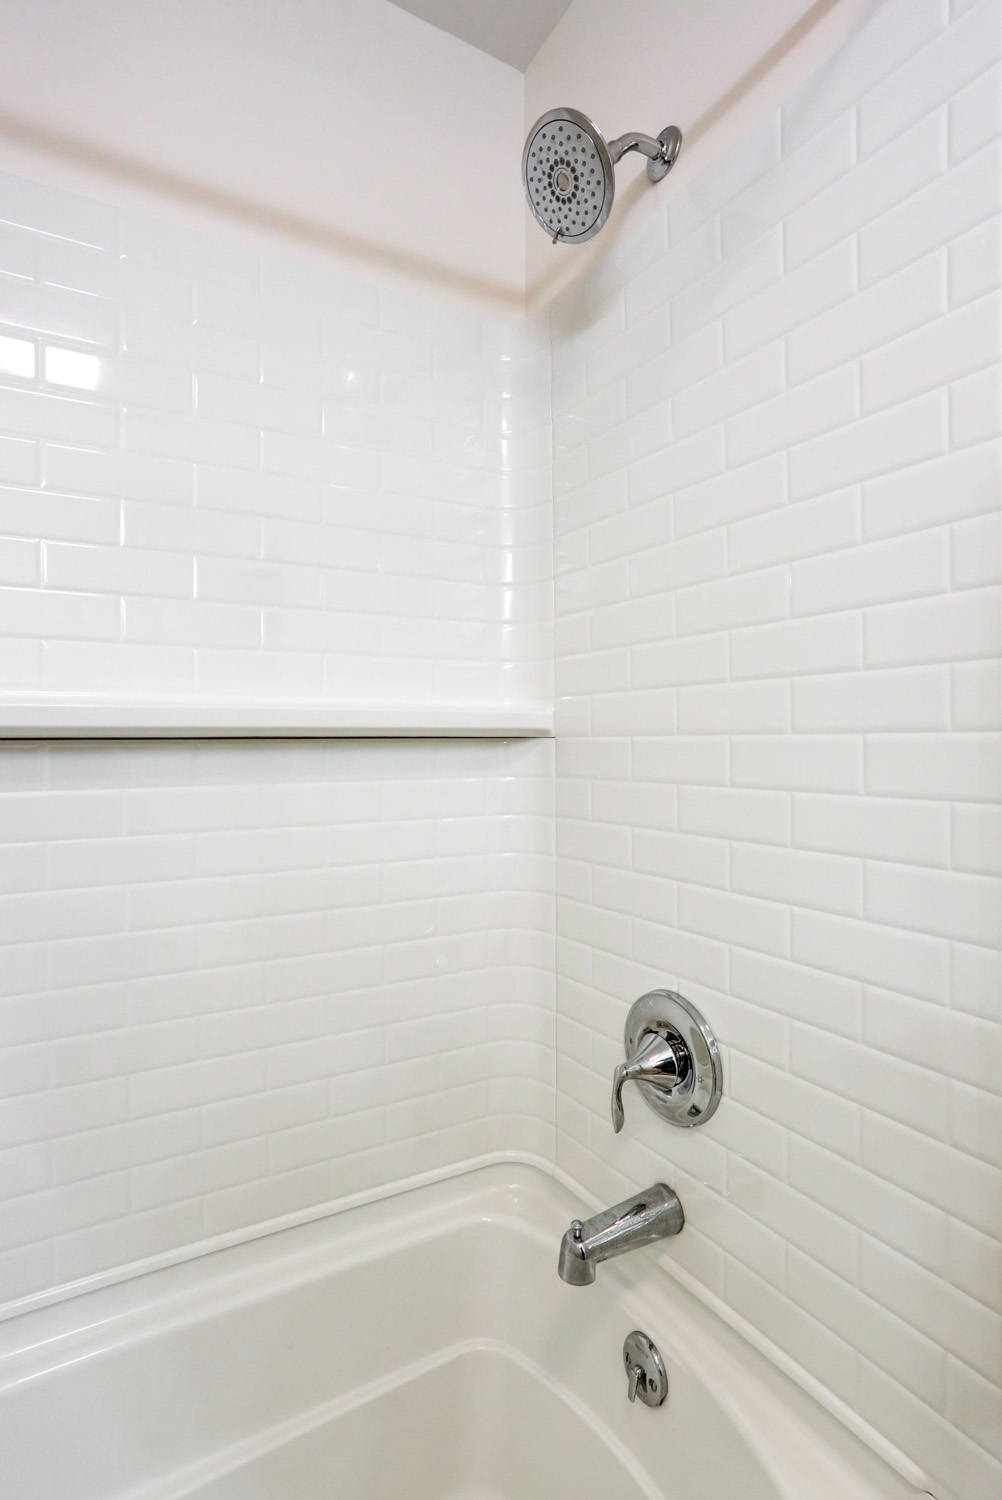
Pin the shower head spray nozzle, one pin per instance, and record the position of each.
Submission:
(568, 171)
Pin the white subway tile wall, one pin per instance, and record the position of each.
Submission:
(243, 980)
(777, 494)
(225, 474)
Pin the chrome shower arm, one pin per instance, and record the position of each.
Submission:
(660, 153)
(635, 140)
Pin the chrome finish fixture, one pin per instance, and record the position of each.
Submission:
(641, 1220)
(568, 171)
(660, 153)
(644, 1369)
(672, 1057)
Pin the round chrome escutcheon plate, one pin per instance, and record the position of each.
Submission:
(694, 1099)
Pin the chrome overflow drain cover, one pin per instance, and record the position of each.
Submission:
(645, 1369)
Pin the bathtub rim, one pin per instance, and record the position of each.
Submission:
(73, 1293)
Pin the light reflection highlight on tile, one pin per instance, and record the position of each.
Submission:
(70, 367)
(17, 357)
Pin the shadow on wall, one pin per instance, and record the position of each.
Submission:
(373, 255)
(367, 255)
(771, 59)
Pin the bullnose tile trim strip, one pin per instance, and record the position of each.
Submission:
(72, 718)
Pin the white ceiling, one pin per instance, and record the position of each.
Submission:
(511, 30)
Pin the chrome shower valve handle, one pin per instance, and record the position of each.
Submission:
(672, 1057)
(663, 1059)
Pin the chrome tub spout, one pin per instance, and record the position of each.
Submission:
(652, 1215)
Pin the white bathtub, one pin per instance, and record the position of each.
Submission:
(423, 1348)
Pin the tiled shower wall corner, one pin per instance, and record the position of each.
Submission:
(776, 470)
(241, 980)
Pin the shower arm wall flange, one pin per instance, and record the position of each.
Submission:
(660, 153)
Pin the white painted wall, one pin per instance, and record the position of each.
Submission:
(364, 135)
(777, 468)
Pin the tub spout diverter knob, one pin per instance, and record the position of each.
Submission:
(642, 1220)
(672, 1056)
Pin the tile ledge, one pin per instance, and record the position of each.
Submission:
(78, 717)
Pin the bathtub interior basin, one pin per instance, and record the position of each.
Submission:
(423, 1347)
(478, 1425)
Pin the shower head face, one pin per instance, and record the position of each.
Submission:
(568, 176)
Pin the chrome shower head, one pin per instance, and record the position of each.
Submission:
(568, 171)
(568, 175)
